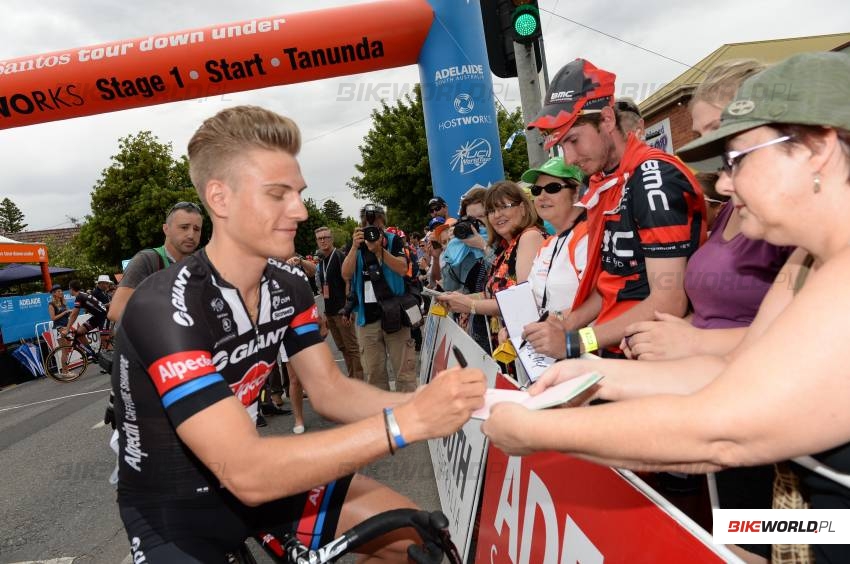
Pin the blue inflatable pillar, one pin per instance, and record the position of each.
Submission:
(457, 98)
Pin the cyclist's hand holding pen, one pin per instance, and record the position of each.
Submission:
(442, 406)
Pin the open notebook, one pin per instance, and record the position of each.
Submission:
(551, 397)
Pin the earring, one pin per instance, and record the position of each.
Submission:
(816, 188)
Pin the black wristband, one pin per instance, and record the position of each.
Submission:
(573, 344)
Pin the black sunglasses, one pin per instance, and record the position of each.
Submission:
(435, 208)
(184, 206)
(551, 188)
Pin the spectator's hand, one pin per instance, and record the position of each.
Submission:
(443, 406)
(502, 336)
(323, 326)
(509, 428)
(455, 301)
(294, 261)
(356, 239)
(667, 338)
(376, 246)
(547, 337)
(569, 369)
(476, 241)
(423, 264)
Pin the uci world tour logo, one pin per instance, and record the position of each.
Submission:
(471, 156)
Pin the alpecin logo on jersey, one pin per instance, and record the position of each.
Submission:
(172, 370)
(248, 387)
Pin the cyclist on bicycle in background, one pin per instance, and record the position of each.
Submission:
(92, 306)
(196, 345)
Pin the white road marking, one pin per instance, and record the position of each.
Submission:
(53, 399)
(98, 425)
(63, 560)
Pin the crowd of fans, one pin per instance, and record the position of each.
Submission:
(694, 288)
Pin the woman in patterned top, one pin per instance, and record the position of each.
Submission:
(515, 235)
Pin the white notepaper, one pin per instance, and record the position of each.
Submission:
(518, 308)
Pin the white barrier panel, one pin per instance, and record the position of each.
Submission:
(459, 459)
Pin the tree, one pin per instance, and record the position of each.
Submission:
(305, 237)
(71, 255)
(132, 197)
(333, 211)
(11, 217)
(395, 169)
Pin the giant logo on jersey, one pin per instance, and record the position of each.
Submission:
(178, 299)
(172, 370)
(248, 387)
(243, 351)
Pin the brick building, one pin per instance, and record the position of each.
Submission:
(666, 113)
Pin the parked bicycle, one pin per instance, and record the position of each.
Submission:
(432, 527)
(67, 362)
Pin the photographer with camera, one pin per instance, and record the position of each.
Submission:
(376, 265)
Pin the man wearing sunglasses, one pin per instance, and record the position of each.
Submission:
(646, 216)
(438, 207)
(182, 229)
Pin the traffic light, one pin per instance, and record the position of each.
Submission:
(525, 21)
(499, 25)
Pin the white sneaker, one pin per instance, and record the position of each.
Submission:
(298, 429)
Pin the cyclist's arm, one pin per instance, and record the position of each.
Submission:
(335, 396)
(259, 469)
(73, 317)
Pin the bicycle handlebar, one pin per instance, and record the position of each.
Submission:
(432, 527)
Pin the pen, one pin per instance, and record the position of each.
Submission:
(541, 320)
(459, 356)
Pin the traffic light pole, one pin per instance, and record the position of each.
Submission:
(530, 97)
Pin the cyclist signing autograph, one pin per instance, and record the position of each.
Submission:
(195, 478)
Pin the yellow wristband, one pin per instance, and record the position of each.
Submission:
(588, 339)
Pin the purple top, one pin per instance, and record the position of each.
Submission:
(727, 280)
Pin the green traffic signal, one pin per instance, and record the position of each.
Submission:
(526, 23)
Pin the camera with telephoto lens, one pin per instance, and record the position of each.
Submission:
(466, 227)
(372, 233)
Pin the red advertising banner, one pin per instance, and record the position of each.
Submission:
(552, 508)
(211, 61)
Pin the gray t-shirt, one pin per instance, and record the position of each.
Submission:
(142, 265)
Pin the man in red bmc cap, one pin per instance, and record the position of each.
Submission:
(646, 216)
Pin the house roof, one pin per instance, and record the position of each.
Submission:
(769, 52)
(60, 236)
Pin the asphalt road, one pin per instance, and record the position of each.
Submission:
(56, 505)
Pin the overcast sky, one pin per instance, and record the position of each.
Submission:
(49, 169)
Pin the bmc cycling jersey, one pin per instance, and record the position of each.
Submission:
(659, 215)
(186, 343)
(92, 306)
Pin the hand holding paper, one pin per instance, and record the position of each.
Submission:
(551, 397)
(518, 309)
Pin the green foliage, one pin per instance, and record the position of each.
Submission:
(132, 197)
(71, 255)
(11, 217)
(515, 160)
(395, 169)
(333, 211)
(305, 238)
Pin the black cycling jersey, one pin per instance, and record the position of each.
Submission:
(187, 342)
(93, 306)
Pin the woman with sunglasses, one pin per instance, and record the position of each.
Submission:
(514, 232)
(558, 266)
(783, 392)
